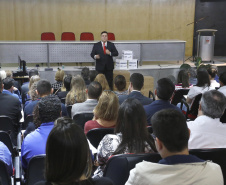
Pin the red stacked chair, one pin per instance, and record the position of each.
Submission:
(86, 36)
(111, 36)
(68, 36)
(47, 36)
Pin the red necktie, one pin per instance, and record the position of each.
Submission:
(104, 48)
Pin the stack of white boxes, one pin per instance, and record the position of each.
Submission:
(127, 61)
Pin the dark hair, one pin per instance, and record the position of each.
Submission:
(103, 32)
(92, 75)
(170, 127)
(120, 82)
(33, 72)
(202, 78)
(85, 73)
(67, 153)
(213, 103)
(165, 89)
(8, 83)
(137, 81)
(212, 70)
(1, 84)
(222, 78)
(94, 90)
(183, 78)
(44, 87)
(67, 82)
(49, 108)
(132, 124)
(36, 118)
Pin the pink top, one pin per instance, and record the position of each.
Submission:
(93, 124)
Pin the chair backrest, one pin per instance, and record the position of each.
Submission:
(35, 171)
(119, 166)
(5, 138)
(151, 94)
(223, 117)
(69, 107)
(68, 36)
(195, 105)
(6, 124)
(47, 36)
(27, 120)
(86, 36)
(96, 135)
(217, 155)
(111, 36)
(178, 95)
(81, 119)
(4, 175)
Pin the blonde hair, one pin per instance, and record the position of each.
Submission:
(33, 79)
(9, 73)
(32, 91)
(107, 107)
(59, 75)
(103, 81)
(77, 94)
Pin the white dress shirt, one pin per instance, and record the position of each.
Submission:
(223, 90)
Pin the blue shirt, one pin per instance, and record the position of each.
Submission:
(156, 106)
(15, 95)
(6, 157)
(180, 159)
(35, 143)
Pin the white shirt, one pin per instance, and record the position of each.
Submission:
(214, 84)
(223, 90)
(195, 90)
(206, 132)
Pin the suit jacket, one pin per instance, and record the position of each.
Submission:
(105, 60)
(137, 95)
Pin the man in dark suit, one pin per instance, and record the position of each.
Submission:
(136, 84)
(103, 52)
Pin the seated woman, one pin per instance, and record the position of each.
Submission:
(183, 80)
(72, 165)
(131, 135)
(77, 94)
(212, 70)
(105, 113)
(63, 91)
(120, 85)
(59, 76)
(103, 81)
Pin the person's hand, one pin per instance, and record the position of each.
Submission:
(97, 56)
(108, 52)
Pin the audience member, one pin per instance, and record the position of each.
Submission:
(6, 157)
(16, 85)
(131, 135)
(176, 166)
(85, 75)
(59, 76)
(206, 130)
(120, 85)
(93, 93)
(92, 75)
(163, 94)
(212, 70)
(103, 81)
(222, 80)
(183, 80)
(32, 93)
(48, 110)
(77, 94)
(72, 165)
(135, 86)
(67, 86)
(43, 89)
(105, 113)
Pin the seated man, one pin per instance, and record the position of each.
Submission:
(46, 112)
(135, 86)
(163, 93)
(171, 136)
(206, 130)
(6, 157)
(93, 93)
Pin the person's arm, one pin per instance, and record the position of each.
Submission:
(94, 54)
(114, 51)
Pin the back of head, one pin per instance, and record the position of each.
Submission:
(34, 78)
(107, 107)
(9, 73)
(222, 78)
(59, 76)
(32, 91)
(49, 108)
(137, 81)
(44, 87)
(103, 81)
(202, 77)
(183, 78)
(85, 73)
(213, 103)
(120, 82)
(131, 123)
(212, 70)
(165, 89)
(8, 83)
(67, 153)
(94, 90)
(67, 82)
(170, 127)
(33, 72)
(92, 75)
